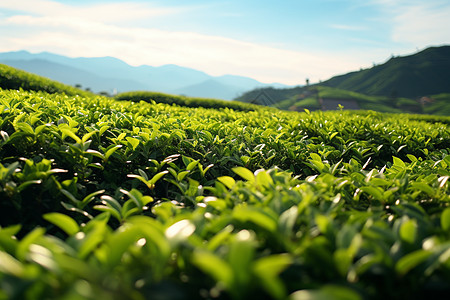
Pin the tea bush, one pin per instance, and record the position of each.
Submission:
(120, 200)
(185, 101)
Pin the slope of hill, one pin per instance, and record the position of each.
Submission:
(399, 85)
(108, 74)
(12, 78)
(74, 76)
(329, 98)
(275, 95)
(422, 74)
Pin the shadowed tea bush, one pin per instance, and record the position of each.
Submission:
(185, 101)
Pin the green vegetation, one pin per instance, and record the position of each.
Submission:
(422, 74)
(395, 86)
(107, 199)
(185, 101)
(11, 78)
(299, 98)
(440, 106)
(276, 95)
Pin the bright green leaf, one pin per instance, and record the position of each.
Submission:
(445, 219)
(157, 177)
(423, 187)
(64, 222)
(70, 133)
(408, 231)
(272, 265)
(398, 162)
(256, 216)
(244, 173)
(328, 292)
(111, 151)
(411, 260)
(10, 265)
(29, 239)
(133, 142)
(315, 157)
(263, 179)
(214, 266)
(228, 181)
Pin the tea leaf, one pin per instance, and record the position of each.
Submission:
(66, 223)
(408, 231)
(227, 181)
(398, 162)
(244, 173)
(133, 142)
(445, 219)
(70, 133)
(214, 266)
(411, 260)
(10, 265)
(333, 292)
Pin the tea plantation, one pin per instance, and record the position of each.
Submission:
(107, 199)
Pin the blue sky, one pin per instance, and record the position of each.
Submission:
(271, 41)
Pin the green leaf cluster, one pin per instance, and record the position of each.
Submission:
(111, 199)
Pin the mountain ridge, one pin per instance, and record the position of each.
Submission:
(112, 74)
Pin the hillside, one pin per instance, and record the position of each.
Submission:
(422, 74)
(329, 98)
(399, 85)
(72, 75)
(12, 78)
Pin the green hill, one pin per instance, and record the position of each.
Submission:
(422, 74)
(329, 98)
(15, 79)
(416, 84)
(12, 78)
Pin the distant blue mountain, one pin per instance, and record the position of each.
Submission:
(211, 88)
(111, 74)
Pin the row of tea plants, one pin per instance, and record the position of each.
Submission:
(185, 101)
(106, 199)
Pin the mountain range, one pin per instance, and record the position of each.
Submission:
(111, 75)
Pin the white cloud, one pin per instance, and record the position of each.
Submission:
(423, 25)
(213, 54)
(108, 12)
(44, 27)
(418, 23)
